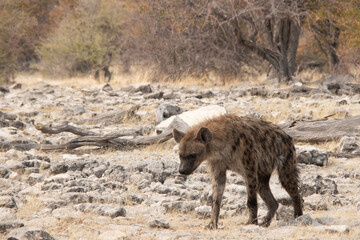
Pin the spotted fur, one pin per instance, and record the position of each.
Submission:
(249, 146)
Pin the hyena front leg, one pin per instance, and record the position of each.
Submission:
(218, 179)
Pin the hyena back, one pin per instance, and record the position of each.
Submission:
(248, 146)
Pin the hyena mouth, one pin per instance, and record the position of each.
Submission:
(185, 171)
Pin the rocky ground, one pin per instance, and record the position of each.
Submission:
(97, 193)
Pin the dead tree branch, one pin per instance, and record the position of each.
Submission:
(125, 139)
(304, 131)
(64, 128)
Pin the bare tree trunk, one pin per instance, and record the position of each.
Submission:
(283, 47)
(295, 31)
(327, 38)
(287, 43)
(282, 36)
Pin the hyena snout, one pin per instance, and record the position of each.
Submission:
(186, 168)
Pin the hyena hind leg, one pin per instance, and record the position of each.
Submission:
(266, 194)
(252, 198)
(288, 176)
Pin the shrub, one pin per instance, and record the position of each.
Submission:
(86, 39)
(16, 38)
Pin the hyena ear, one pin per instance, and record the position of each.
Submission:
(178, 135)
(204, 135)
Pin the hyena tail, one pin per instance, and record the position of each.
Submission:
(289, 179)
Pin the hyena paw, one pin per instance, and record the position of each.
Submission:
(211, 226)
(252, 221)
(265, 222)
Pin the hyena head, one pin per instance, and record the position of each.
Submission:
(192, 148)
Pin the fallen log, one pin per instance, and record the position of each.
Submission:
(324, 130)
(81, 132)
(64, 128)
(316, 131)
(112, 140)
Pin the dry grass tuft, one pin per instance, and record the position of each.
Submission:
(84, 226)
(34, 79)
(141, 76)
(332, 146)
(354, 70)
(32, 204)
(311, 75)
(164, 148)
(138, 77)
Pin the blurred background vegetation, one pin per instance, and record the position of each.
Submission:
(175, 39)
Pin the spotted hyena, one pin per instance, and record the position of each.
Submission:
(248, 146)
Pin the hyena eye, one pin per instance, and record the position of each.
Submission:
(192, 156)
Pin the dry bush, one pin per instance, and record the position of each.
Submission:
(23, 23)
(16, 26)
(86, 39)
(330, 40)
(349, 62)
(193, 38)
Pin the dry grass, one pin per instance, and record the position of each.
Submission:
(83, 226)
(235, 226)
(136, 78)
(332, 146)
(34, 79)
(118, 80)
(50, 110)
(32, 205)
(285, 110)
(310, 76)
(350, 165)
(163, 148)
(141, 76)
(87, 226)
(354, 70)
